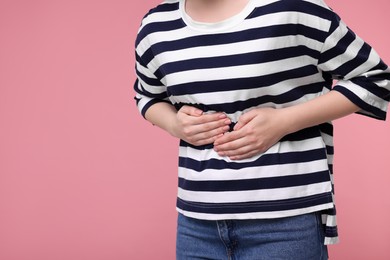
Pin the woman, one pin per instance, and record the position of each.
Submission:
(247, 86)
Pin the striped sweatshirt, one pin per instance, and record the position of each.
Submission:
(274, 53)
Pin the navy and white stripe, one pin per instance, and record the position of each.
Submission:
(273, 54)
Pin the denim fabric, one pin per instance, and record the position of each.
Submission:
(296, 238)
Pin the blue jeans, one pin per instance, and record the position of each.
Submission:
(296, 238)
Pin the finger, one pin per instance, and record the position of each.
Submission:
(231, 147)
(228, 138)
(238, 152)
(238, 126)
(246, 151)
(240, 149)
(211, 127)
(209, 140)
(207, 131)
(200, 124)
(191, 111)
(243, 156)
(244, 119)
(206, 118)
(197, 133)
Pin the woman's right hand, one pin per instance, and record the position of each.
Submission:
(197, 128)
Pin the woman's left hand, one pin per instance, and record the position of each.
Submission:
(255, 132)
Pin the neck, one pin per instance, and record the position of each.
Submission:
(211, 11)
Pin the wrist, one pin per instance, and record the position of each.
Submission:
(171, 126)
(164, 116)
(289, 120)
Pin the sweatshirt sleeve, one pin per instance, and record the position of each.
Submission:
(362, 76)
(148, 87)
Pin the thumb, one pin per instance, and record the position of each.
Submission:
(191, 111)
(244, 119)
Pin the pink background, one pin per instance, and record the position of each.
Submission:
(84, 177)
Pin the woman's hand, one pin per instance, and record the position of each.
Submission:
(255, 132)
(259, 129)
(197, 128)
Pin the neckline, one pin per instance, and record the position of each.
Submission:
(217, 26)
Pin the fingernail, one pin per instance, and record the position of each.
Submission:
(222, 115)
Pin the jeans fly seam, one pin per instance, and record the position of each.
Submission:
(228, 249)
